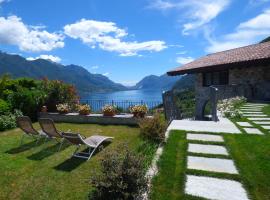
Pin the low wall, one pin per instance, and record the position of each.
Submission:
(123, 119)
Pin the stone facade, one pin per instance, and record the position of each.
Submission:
(251, 82)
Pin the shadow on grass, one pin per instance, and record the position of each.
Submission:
(24, 147)
(70, 164)
(49, 151)
(73, 162)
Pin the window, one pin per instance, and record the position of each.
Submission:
(215, 78)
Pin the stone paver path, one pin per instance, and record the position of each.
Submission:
(262, 122)
(208, 149)
(215, 188)
(253, 131)
(259, 119)
(254, 115)
(211, 164)
(210, 187)
(244, 124)
(266, 127)
(205, 137)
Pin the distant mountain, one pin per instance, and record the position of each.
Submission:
(83, 80)
(266, 40)
(186, 82)
(163, 82)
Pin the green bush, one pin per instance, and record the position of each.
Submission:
(4, 107)
(153, 128)
(122, 177)
(9, 121)
(28, 101)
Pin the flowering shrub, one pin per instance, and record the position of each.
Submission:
(8, 121)
(109, 110)
(63, 108)
(84, 109)
(229, 107)
(139, 110)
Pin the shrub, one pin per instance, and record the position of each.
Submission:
(4, 107)
(28, 101)
(84, 109)
(63, 108)
(153, 128)
(9, 121)
(229, 107)
(122, 177)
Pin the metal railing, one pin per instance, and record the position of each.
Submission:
(122, 106)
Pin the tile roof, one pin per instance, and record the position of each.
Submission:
(252, 54)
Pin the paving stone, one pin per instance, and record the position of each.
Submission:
(254, 115)
(207, 149)
(266, 127)
(252, 112)
(262, 122)
(212, 164)
(244, 124)
(259, 118)
(251, 109)
(205, 137)
(253, 131)
(215, 188)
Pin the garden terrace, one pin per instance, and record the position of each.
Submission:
(40, 172)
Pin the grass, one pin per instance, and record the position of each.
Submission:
(29, 172)
(251, 154)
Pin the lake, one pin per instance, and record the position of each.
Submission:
(123, 99)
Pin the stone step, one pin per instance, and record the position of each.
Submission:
(211, 164)
(244, 124)
(205, 137)
(214, 188)
(253, 131)
(207, 149)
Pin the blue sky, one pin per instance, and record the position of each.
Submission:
(129, 39)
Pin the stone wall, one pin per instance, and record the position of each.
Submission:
(125, 119)
(251, 82)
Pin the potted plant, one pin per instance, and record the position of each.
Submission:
(63, 108)
(84, 109)
(139, 110)
(44, 109)
(109, 110)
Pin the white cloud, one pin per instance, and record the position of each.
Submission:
(106, 74)
(184, 60)
(95, 67)
(107, 36)
(181, 52)
(246, 33)
(32, 39)
(196, 12)
(46, 57)
(128, 83)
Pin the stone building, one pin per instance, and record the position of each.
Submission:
(242, 71)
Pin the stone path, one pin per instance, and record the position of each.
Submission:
(253, 112)
(210, 187)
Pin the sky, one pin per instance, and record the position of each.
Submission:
(127, 40)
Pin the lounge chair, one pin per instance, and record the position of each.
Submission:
(25, 124)
(48, 127)
(92, 143)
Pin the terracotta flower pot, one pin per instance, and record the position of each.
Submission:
(84, 112)
(108, 114)
(44, 109)
(63, 112)
(138, 114)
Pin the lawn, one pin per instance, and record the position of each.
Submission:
(251, 154)
(39, 172)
